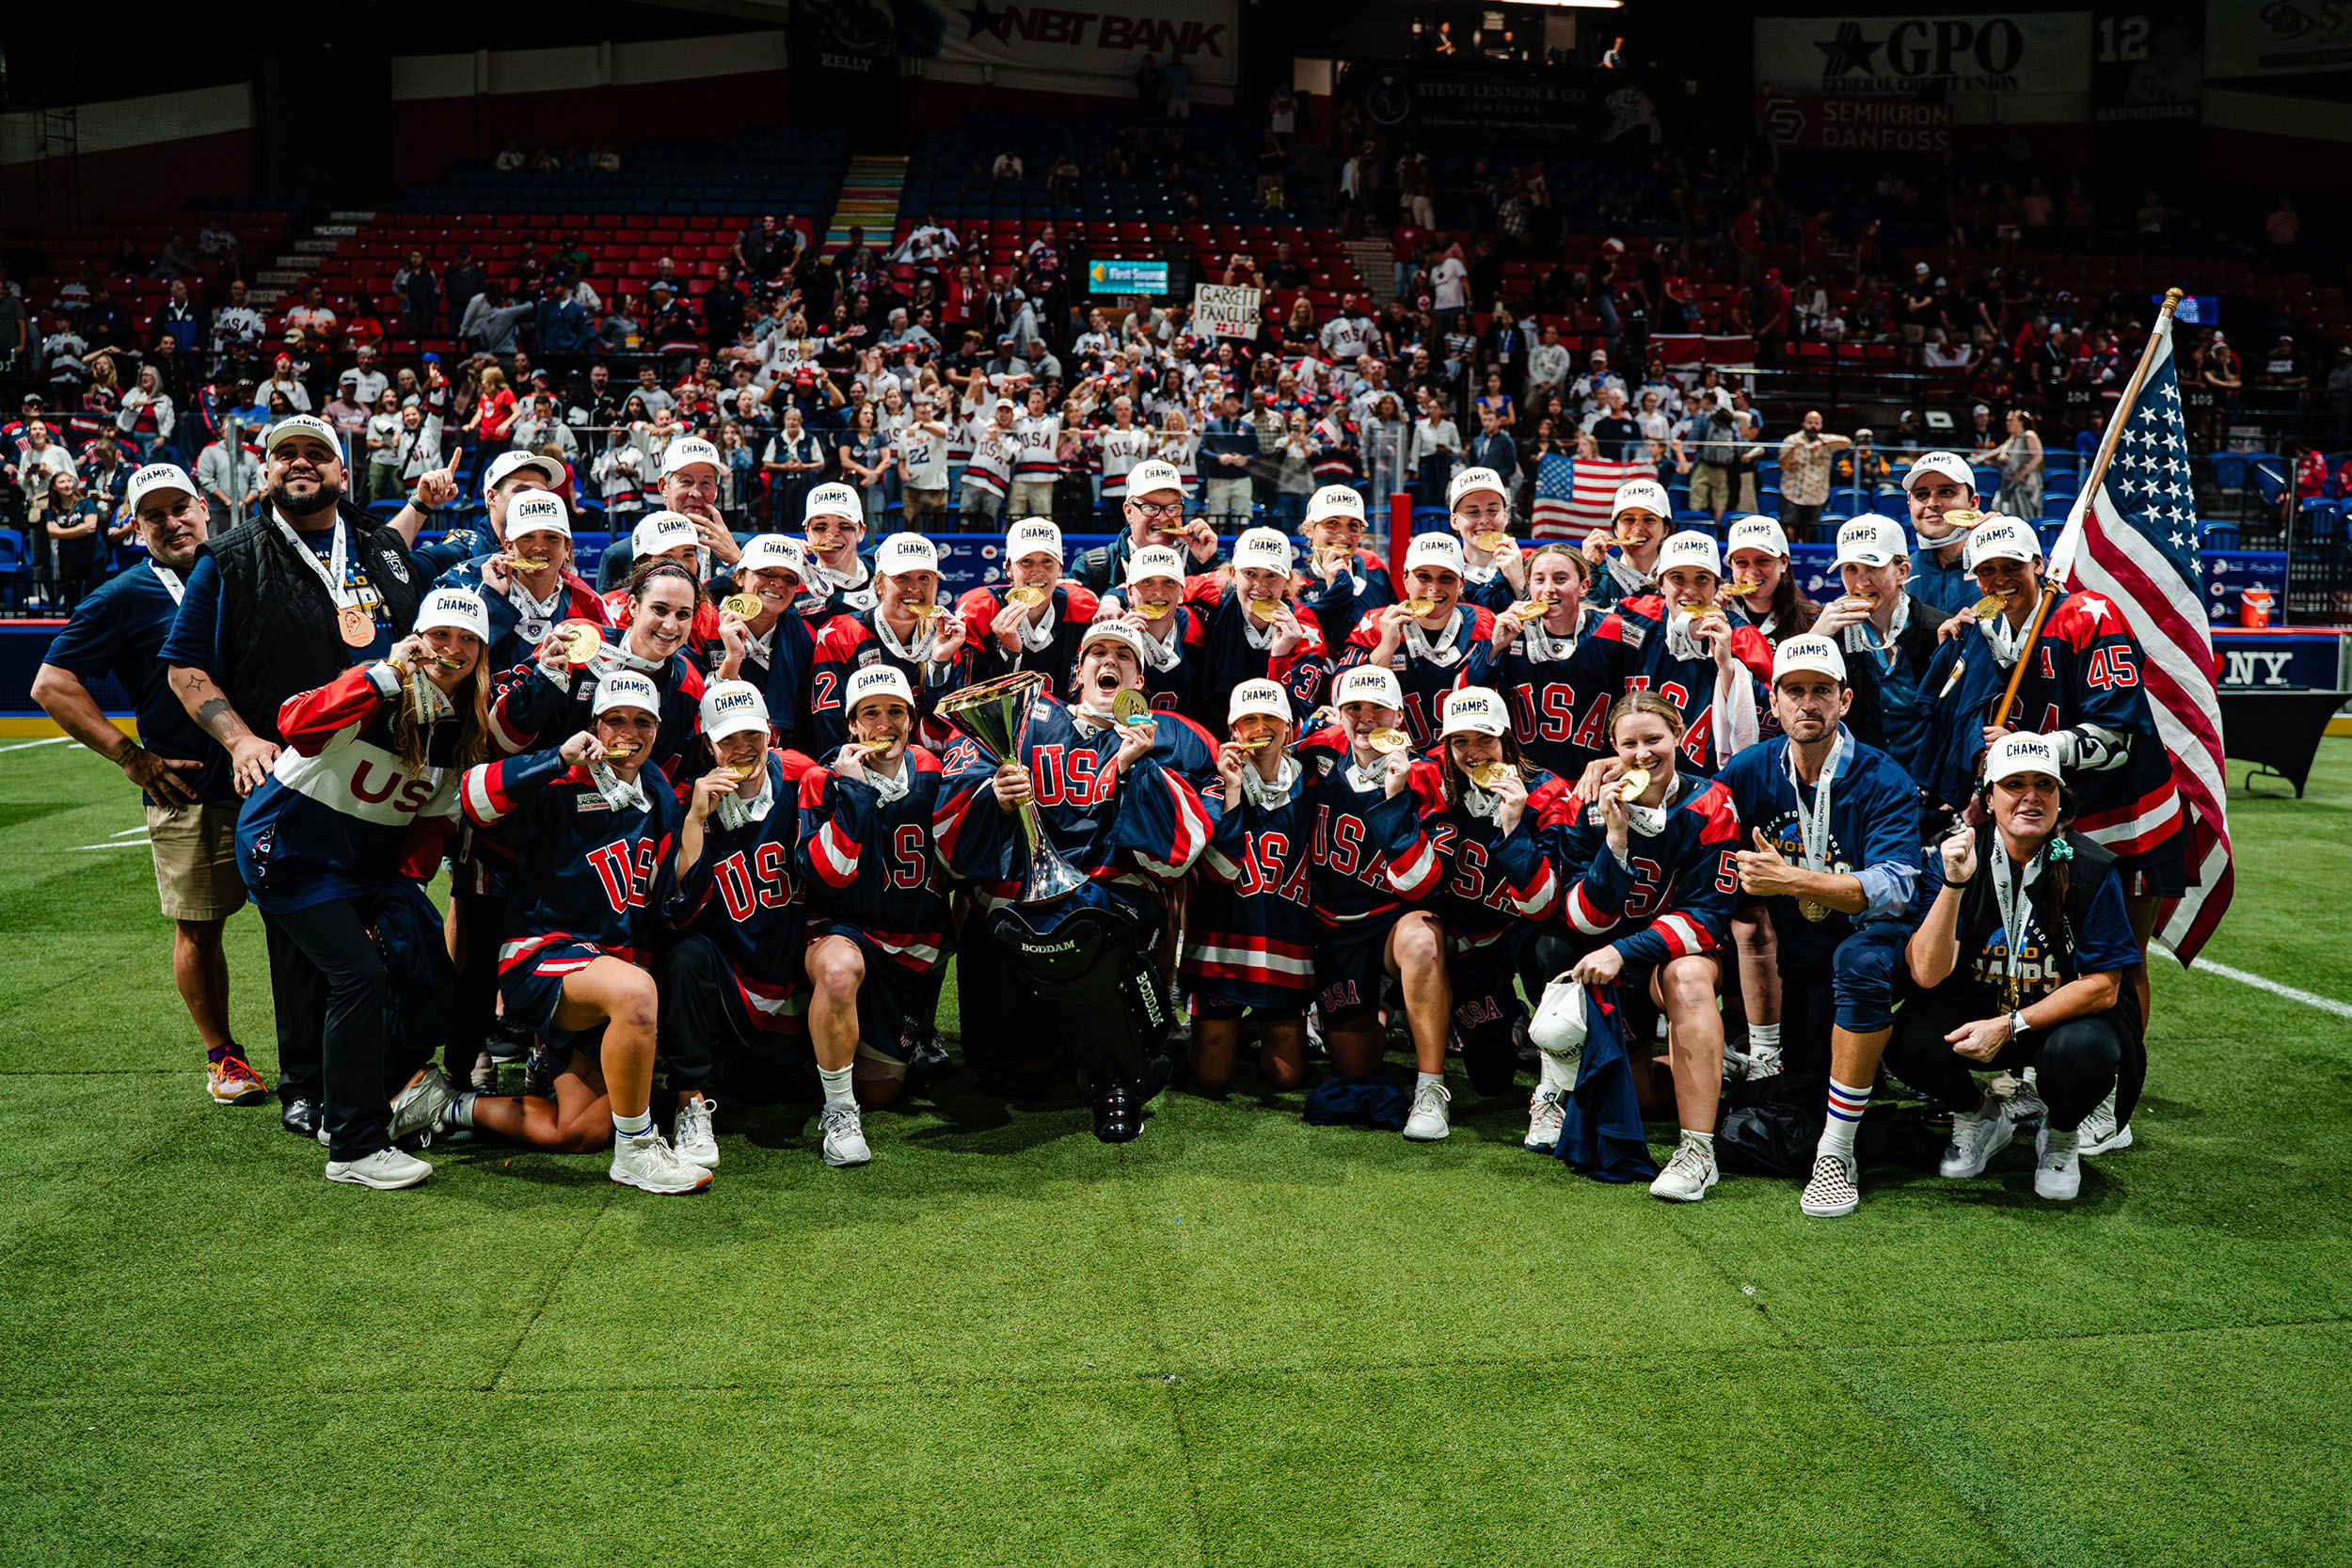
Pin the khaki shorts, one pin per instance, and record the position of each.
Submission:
(925, 503)
(1711, 488)
(195, 860)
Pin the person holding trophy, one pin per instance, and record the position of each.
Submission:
(1072, 826)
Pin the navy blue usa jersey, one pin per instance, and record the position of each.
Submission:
(1226, 659)
(1873, 822)
(1672, 895)
(870, 863)
(1559, 707)
(1373, 854)
(1249, 932)
(585, 871)
(1715, 730)
(745, 894)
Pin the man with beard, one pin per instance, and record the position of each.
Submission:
(182, 772)
(276, 606)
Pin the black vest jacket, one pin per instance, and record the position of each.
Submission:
(1980, 913)
(282, 632)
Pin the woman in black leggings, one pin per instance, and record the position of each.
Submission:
(2020, 962)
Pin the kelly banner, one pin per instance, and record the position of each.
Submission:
(1545, 106)
(1093, 48)
(1858, 124)
(1925, 56)
(2277, 38)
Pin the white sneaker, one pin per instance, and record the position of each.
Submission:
(651, 1164)
(1427, 1122)
(2058, 1172)
(2024, 1106)
(697, 1142)
(417, 1109)
(1689, 1174)
(845, 1134)
(1976, 1138)
(2099, 1132)
(1835, 1187)
(1763, 1062)
(1545, 1113)
(384, 1170)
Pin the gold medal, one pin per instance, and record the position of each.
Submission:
(626, 748)
(356, 624)
(1388, 742)
(1531, 609)
(1255, 743)
(581, 642)
(925, 612)
(1489, 773)
(876, 748)
(1492, 540)
(740, 772)
(1263, 608)
(1154, 611)
(1964, 518)
(746, 605)
(448, 663)
(1027, 594)
(1989, 606)
(1620, 540)
(1741, 589)
(1130, 705)
(1631, 783)
(1812, 911)
(1419, 608)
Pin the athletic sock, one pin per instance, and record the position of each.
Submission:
(1707, 1138)
(1554, 1072)
(1846, 1106)
(638, 1126)
(836, 1082)
(460, 1111)
(1763, 1037)
(1422, 1079)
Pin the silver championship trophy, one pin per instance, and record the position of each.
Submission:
(995, 714)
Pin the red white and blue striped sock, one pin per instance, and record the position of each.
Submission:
(1846, 1106)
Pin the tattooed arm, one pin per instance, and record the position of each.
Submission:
(249, 755)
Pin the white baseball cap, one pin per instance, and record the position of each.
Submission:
(905, 553)
(1950, 464)
(302, 424)
(538, 512)
(1335, 500)
(1262, 548)
(1263, 697)
(1033, 536)
(1690, 549)
(1817, 653)
(1868, 541)
(625, 689)
(457, 609)
(1756, 533)
(733, 708)
(1475, 710)
(833, 500)
(773, 552)
(1155, 561)
(508, 462)
(1470, 481)
(685, 449)
(1647, 494)
(1120, 632)
(1151, 476)
(2001, 539)
(1441, 550)
(155, 477)
(2022, 752)
(877, 680)
(659, 533)
(1368, 683)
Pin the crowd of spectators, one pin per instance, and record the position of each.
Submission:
(957, 388)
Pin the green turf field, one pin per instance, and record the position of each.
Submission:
(1239, 1341)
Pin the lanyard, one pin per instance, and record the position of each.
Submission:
(330, 571)
(1813, 826)
(2016, 914)
(170, 579)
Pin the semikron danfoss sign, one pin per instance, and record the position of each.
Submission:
(1927, 56)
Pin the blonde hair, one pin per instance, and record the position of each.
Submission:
(493, 379)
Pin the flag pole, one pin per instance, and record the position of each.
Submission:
(2054, 582)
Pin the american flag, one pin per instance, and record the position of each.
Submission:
(2135, 540)
(1573, 495)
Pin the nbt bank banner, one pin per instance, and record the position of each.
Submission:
(1095, 42)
